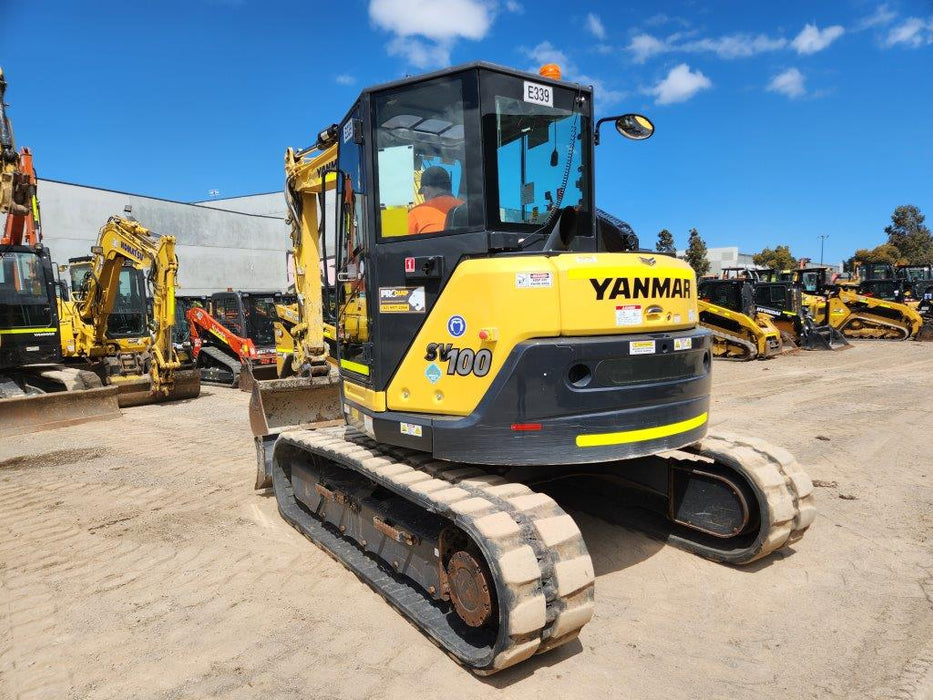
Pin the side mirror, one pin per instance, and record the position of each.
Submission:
(635, 127)
(632, 126)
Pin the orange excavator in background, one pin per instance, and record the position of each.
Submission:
(36, 390)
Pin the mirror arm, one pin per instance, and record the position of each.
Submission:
(596, 129)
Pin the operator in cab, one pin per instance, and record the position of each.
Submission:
(431, 216)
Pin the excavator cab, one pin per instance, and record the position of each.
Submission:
(464, 163)
(130, 315)
(29, 332)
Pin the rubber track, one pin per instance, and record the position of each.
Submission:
(222, 358)
(543, 572)
(875, 321)
(788, 508)
(750, 348)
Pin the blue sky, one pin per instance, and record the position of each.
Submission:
(776, 122)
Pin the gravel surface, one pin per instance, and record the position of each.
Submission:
(137, 561)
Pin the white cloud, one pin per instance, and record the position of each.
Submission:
(812, 39)
(644, 46)
(912, 32)
(515, 7)
(882, 16)
(546, 52)
(680, 85)
(661, 18)
(344, 79)
(789, 83)
(595, 26)
(736, 45)
(441, 23)
(418, 53)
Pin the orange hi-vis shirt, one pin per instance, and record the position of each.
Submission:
(432, 215)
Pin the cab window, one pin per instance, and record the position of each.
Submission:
(428, 180)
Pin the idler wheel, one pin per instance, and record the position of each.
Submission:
(469, 589)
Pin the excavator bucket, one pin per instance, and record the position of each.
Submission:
(249, 375)
(138, 391)
(815, 337)
(925, 334)
(280, 404)
(30, 414)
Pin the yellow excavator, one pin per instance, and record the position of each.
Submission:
(146, 367)
(489, 350)
(856, 315)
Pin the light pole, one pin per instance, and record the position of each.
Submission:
(823, 237)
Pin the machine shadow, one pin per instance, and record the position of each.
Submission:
(613, 543)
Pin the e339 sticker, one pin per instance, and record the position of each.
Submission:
(456, 326)
(461, 361)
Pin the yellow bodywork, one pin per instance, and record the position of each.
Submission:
(308, 180)
(505, 301)
(760, 331)
(859, 316)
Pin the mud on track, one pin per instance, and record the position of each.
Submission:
(137, 561)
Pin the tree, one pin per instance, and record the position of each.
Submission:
(777, 259)
(910, 236)
(665, 242)
(884, 253)
(696, 253)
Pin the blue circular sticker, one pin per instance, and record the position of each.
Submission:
(456, 326)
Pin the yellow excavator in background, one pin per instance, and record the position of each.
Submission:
(489, 349)
(146, 369)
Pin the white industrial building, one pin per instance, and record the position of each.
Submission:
(729, 256)
(236, 243)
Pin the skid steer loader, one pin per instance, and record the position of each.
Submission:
(487, 347)
(740, 332)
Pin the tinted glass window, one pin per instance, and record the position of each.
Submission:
(261, 318)
(536, 140)
(23, 300)
(129, 315)
(427, 174)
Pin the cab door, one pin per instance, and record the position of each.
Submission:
(353, 310)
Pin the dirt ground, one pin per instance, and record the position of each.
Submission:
(137, 561)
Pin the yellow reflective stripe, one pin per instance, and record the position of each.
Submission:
(626, 436)
(355, 367)
(15, 331)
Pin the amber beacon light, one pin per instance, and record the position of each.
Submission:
(550, 70)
